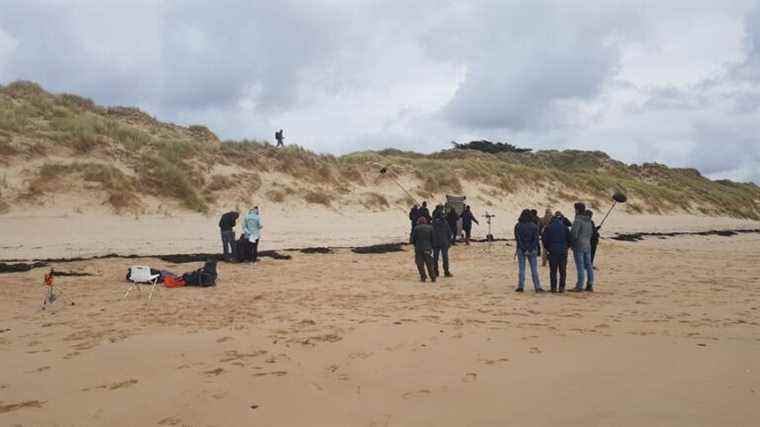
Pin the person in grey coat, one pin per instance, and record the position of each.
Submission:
(422, 238)
(581, 234)
(441, 242)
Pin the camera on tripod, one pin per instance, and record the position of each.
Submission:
(489, 236)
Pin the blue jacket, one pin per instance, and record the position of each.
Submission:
(556, 238)
(441, 233)
(467, 219)
(526, 235)
(252, 226)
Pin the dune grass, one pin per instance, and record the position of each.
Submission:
(178, 162)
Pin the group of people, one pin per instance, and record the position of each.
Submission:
(450, 215)
(246, 248)
(550, 238)
(557, 235)
(432, 235)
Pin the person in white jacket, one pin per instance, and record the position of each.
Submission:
(252, 230)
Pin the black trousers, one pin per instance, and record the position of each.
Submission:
(424, 259)
(593, 251)
(453, 227)
(255, 250)
(558, 264)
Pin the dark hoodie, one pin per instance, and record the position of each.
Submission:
(441, 233)
(227, 222)
(556, 237)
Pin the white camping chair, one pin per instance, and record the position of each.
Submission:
(141, 274)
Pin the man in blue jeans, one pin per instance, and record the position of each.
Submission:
(526, 236)
(227, 227)
(581, 234)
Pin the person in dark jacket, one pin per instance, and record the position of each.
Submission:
(422, 238)
(594, 236)
(467, 219)
(556, 240)
(227, 226)
(441, 242)
(453, 219)
(528, 242)
(279, 136)
(413, 215)
(438, 211)
(424, 212)
(537, 220)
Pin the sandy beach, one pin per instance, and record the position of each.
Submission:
(669, 338)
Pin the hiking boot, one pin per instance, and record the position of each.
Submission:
(423, 279)
(432, 279)
(519, 290)
(540, 291)
(447, 274)
(576, 289)
(590, 288)
(553, 290)
(562, 289)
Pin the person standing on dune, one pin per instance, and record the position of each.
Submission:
(227, 228)
(422, 238)
(252, 230)
(280, 136)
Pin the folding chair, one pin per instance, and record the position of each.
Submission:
(141, 274)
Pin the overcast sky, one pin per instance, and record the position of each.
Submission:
(670, 81)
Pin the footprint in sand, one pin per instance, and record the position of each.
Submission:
(170, 421)
(275, 373)
(71, 355)
(494, 361)
(16, 406)
(114, 386)
(418, 393)
(214, 372)
(42, 369)
(535, 350)
(470, 377)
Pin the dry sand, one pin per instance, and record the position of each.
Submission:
(670, 338)
(51, 233)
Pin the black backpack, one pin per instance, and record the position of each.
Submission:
(204, 276)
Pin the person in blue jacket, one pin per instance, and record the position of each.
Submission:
(528, 243)
(556, 240)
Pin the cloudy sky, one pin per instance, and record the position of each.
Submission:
(670, 81)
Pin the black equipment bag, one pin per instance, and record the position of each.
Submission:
(203, 277)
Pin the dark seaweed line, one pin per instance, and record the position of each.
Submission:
(21, 265)
(635, 237)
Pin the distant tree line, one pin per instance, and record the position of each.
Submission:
(490, 147)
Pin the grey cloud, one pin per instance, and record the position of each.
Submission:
(528, 58)
(342, 75)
